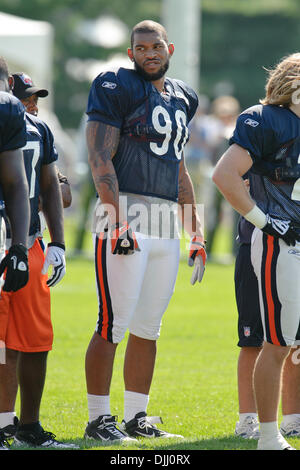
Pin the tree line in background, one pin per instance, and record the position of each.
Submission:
(238, 40)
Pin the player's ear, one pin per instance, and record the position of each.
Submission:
(171, 48)
(11, 82)
(130, 53)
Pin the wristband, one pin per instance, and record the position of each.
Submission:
(257, 217)
(59, 245)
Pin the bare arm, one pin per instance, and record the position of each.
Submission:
(52, 202)
(186, 200)
(227, 176)
(15, 189)
(102, 143)
(65, 188)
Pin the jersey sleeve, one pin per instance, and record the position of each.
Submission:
(193, 99)
(189, 96)
(253, 134)
(108, 100)
(14, 130)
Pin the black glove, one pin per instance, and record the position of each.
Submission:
(282, 229)
(16, 265)
(123, 241)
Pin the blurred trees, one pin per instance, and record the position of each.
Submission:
(66, 15)
(237, 48)
(239, 38)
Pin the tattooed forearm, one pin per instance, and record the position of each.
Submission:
(110, 180)
(186, 200)
(102, 142)
(185, 192)
(185, 187)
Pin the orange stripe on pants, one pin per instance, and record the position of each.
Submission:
(268, 286)
(102, 289)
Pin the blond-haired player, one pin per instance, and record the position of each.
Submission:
(266, 142)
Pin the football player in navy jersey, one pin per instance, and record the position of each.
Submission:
(250, 333)
(13, 189)
(266, 140)
(29, 332)
(29, 95)
(137, 128)
(13, 195)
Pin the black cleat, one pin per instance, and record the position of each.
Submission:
(143, 426)
(39, 438)
(10, 430)
(4, 445)
(105, 429)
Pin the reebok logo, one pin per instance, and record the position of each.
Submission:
(109, 85)
(294, 252)
(251, 122)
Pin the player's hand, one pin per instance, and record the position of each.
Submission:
(123, 240)
(55, 257)
(281, 229)
(16, 265)
(197, 258)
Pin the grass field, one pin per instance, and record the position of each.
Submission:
(194, 387)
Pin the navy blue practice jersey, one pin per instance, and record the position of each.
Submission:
(271, 135)
(12, 126)
(39, 150)
(12, 122)
(153, 129)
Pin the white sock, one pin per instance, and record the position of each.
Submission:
(270, 437)
(269, 430)
(7, 418)
(242, 416)
(98, 405)
(286, 419)
(134, 403)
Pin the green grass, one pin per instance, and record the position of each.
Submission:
(194, 387)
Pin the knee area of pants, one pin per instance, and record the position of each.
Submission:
(118, 334)
(145, 334)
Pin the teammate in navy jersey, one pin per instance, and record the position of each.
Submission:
(137, 128)
(29, 95)
(250, 333)
(13, 189)
(266, 140)
(13, 194)
(29, 334)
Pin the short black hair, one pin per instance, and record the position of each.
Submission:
(149, 26)
(4, 73)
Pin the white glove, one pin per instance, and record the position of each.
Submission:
(197, 258)
(198, 270)
(55, 256)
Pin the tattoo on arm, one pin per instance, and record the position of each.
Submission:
(103, 141)
(185, 187)
(110, 180)
(187, 202)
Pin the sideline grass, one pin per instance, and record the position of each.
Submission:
(194, 386)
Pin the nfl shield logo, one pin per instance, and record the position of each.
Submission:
(247, 331)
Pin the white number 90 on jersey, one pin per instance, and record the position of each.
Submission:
(166, 129)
